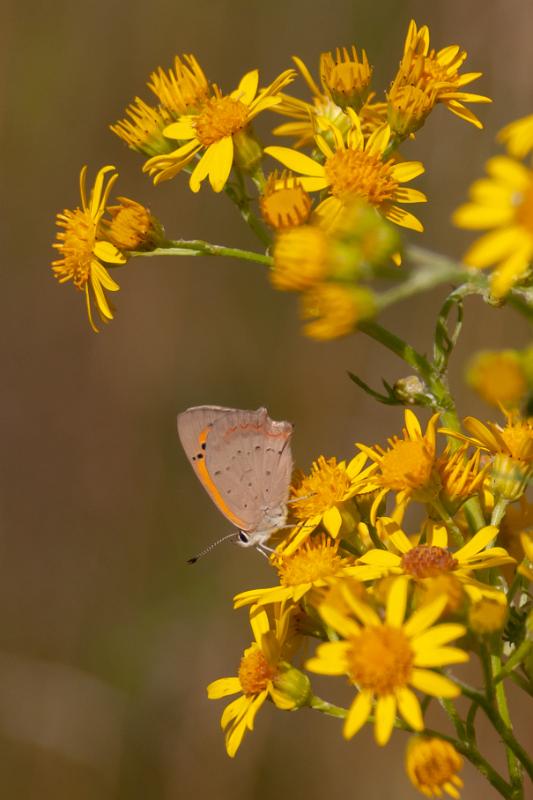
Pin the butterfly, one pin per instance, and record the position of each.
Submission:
(244, 462)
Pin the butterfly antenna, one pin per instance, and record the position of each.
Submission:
(234, 535)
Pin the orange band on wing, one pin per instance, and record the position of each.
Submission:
(208, 483)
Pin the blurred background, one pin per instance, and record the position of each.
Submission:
(107, 637)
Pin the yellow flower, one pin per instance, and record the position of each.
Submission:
(284, 203)
(408, 466)
(498, 377)
(436, 75)
(323, 498)
(315, 565)
(345, 77)
(132, 226)
(335, 309)
(431, 560)
(502, 204)
(213, 132)
(517, 136)
(83, 248)
(516, 527)
(180, 89)
(310, 116)
(142, 128)
(358, 170)
(384, 658)
(261, 665)
(511, 446)
(526, 568)
(432, 766)
(488, 614)
(460, 477)
(300, 257)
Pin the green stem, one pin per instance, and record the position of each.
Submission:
(456, 720)
(499, 724)
(513, 762)
(197, 247)
(498, 512)
(324, 707)
(397, 346)
(518, 656)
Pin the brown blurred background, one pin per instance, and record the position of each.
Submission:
(107, 637)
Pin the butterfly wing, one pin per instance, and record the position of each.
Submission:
(243, 460)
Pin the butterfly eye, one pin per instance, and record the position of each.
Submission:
(243, 537)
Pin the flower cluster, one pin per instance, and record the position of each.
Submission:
(330, 219)
(384, 601)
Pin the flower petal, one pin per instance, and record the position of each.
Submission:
(298, 162)
(385, 718)
(223, 687)
(432, 683)
(409, 708)
(358, 713)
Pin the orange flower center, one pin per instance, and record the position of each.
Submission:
(326, 485)
(354, 172)
(407, 465)
(314, 561)
(76, 245)
(524, 212)
(428, 561)
(381, 659)
(220, 117)
(255, 672)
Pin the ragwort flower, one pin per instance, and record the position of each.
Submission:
(511, 447)
(498, 376)
(384, 658)
(432, 766)
(260, 667)
(214, 131)
(358, 169)
(84, 248)
(435, 76)
(422, 561)
(501, 204)
(407, 467)
(315, 565)
(323, 498)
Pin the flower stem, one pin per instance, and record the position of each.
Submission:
(197, 247)
(397, 346)
(513, 761)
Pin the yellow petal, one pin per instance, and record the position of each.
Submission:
(247, 88)
(221, 163)
(103, 277)
(101, 302)
(403, 218)
(332, 520)
(184, 129)
(441, 656)
(108, 252)
(510, 172)
(378, 141)
(298, 162)
(358, 714)
(385, 718)
(434, 684)
(406, 171)
(477, 543)
(396, 603)
(424, 617)
(97, 198)
(437, 636)
(473, 216)
(380, 558)
(223, 687)
(409, 708)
